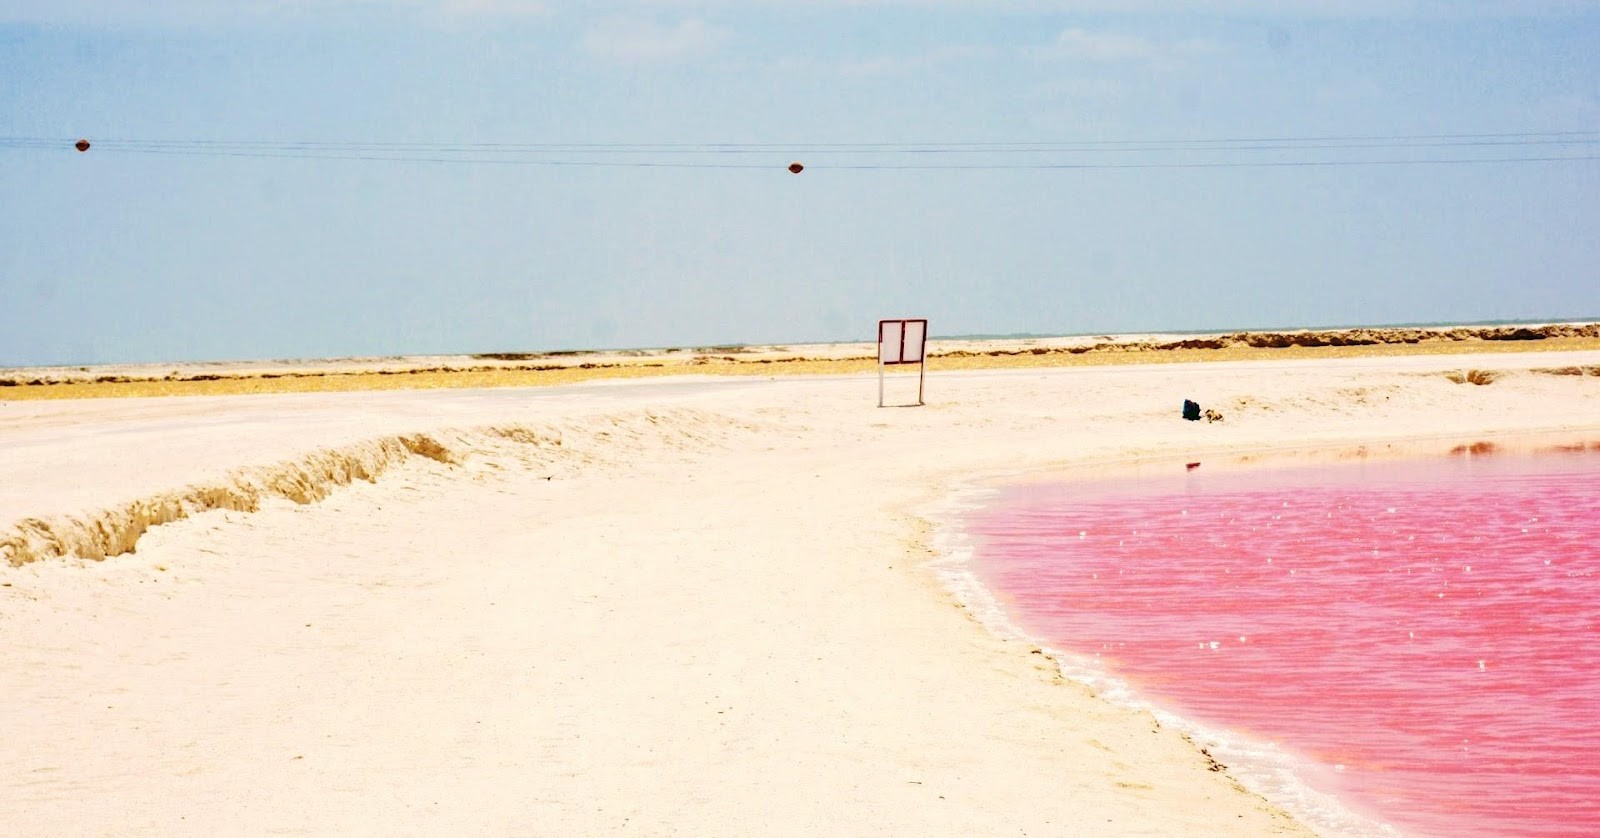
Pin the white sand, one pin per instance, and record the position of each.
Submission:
(708, 610)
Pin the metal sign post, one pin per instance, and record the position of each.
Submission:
(902, 342)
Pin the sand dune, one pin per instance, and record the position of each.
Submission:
(698, 607)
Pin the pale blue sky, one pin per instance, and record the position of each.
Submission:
(117, 255)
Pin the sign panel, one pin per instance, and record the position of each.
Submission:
(916, 334)
(901, 341)
(890, 335)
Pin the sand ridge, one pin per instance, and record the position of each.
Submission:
(550, 449)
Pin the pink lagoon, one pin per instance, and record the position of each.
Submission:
(1421, 632)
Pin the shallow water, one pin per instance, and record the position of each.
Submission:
(1425, 630)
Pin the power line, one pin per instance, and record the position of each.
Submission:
(1235, 164)
(1510, 138)
(392, 148)
(901, 156)
(462, 160)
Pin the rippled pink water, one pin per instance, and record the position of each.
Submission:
(1431, 627)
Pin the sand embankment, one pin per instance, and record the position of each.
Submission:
(691, 606)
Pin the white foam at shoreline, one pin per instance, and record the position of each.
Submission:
(1262, 767)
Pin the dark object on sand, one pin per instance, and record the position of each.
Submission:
(1191, 411)
(1191, 466)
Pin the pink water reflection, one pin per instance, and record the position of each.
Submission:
(1429, 627)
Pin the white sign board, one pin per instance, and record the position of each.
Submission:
(902, 342)
(890, 335)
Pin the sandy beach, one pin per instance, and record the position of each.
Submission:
(682, 604)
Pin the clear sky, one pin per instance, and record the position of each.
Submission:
(205, 224)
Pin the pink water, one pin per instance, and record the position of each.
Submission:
(1426, 630)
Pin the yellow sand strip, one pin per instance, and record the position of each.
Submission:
(539, 376)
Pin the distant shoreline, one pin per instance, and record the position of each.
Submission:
(1343, 327)
(510, 369)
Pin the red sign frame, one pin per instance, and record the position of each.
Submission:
(900, 356)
